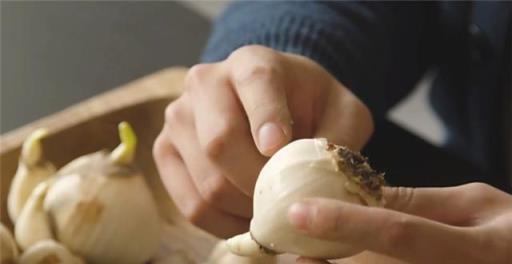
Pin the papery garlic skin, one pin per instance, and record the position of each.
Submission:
(33, 224)
(104, 212)
(32, 170)
(304, 168)
(8, 248)
(48, 251)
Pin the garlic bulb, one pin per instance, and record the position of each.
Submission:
(48, 251)
(102, 209)
(33, 224)
(32, 170)
(222, 255)
(305, 168)
(8, 249)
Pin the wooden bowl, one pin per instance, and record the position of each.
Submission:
(92, 125)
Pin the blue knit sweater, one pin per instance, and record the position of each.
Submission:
(381, 49)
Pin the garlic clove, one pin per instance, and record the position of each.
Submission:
(245, 245)
(48, 251)
(306, 168)
(33, 224)
(8, 248)
(223, 253)
(32, 170)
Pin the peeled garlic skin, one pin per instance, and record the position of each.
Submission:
(103, 214)
(302, 169)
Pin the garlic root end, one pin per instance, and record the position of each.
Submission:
(245, 245)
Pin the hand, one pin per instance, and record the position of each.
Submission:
(235, 113)
(470, 223)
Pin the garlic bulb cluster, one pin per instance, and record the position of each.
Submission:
(8, 249)
(32, 170)
(305, 168)
(98, 207)
(102, 209)
(48, 251)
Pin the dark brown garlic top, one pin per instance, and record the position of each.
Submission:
(358, 169)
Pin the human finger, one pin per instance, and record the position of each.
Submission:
(185, 195)
(458, 205)
(222, 129)
(389, 232)
(257, 78)
(346, 120)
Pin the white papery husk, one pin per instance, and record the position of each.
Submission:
(104, 211)
(305, 168)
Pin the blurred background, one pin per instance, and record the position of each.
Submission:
(55, 54)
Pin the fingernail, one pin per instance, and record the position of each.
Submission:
(270, 137)
(299, 215)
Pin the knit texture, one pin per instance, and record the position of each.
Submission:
(380, 50)
(357, 42)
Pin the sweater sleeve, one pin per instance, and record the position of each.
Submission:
(378, 50)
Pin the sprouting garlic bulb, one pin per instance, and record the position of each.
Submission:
(8, 249)
(32, 170)
(102, 209)
(305, 168)
(33, 224)
(48, 251)
(221, 255)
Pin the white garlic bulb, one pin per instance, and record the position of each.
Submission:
(48, 251)
(8, 249)
(102, 209)
(32, 170)
(33, 224)
(305, 168)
